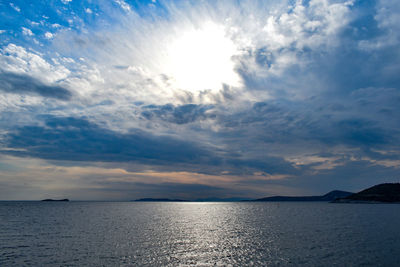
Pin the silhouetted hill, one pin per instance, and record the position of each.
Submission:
(385, 193)
(50, 199)
(335, 194)
(327, 197)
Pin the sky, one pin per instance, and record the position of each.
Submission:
(119, 100)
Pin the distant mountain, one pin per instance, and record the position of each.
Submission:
(50, 199)
(159, 200)
(327, 197)
(382, 193)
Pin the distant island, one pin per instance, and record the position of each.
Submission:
(382, 193)
(327, 197)
(50, 199)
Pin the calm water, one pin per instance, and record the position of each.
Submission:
(203, 234)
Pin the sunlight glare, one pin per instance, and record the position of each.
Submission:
(201, 59)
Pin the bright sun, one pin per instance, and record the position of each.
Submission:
(201, 59)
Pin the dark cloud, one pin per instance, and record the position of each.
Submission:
(24, 84)
(360, 132)
(78, 139)
(316, 120)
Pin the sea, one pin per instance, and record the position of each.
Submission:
(198, 234)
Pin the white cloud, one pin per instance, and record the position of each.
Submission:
(139, 48)
(27, 32)
(388, 14)
(125, 6)
(127, 62)
(388, 20)
(386, 163)
(316, 162)
(48, 35)
(2, 31)
(17, 59)
(55, 25)
(286, 32)
(88, 10)
(16, 8)
(65, 1)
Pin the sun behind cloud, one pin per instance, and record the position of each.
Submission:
(201, 59)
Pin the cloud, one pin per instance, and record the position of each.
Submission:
(284, 37)
(78, 139)
(88, 181)
(16, 8)
(318, 96)
(17, 59)
(181, 114)
(27, 32)
(125, 6)
(48, 35)
(24, 84)
(386, 19)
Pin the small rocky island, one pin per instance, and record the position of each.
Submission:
(50, 199)
(382, 193)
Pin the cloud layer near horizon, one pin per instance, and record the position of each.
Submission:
(92, 104)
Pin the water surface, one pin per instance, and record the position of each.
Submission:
(203, 234)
